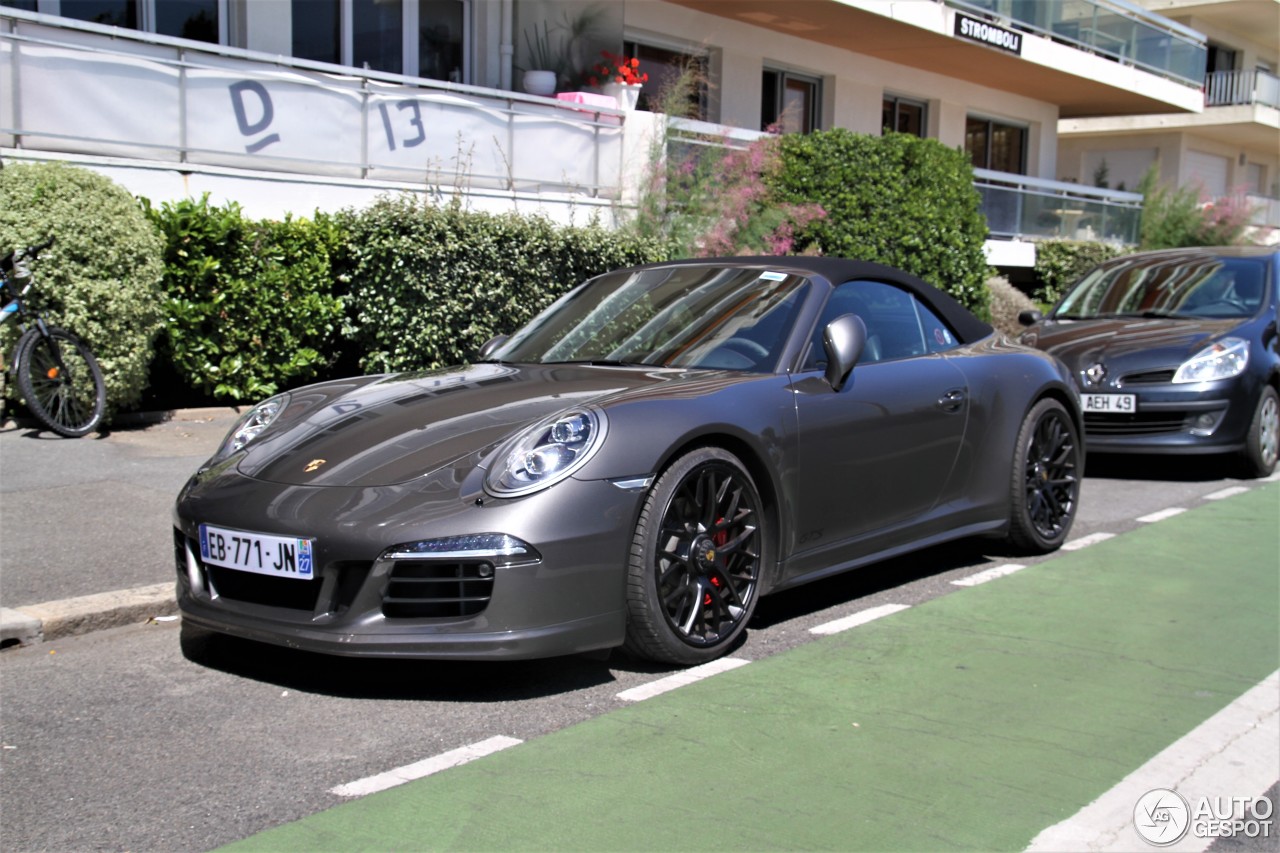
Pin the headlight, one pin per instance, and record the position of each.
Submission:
(251, 423)
(1222, 360)
(546, 453)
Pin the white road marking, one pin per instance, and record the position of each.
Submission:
(1086, 541)
(862, 617)
(1234, 753)
(419, 769)
(1162, 514)
(680, 679)
(990, 574)
(1227, 493)
(1274, 478)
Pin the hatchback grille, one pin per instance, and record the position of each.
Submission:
(1142, 423)
(425, 589)
(1148, 377)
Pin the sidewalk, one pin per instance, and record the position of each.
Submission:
(975, 721)
(56, 490)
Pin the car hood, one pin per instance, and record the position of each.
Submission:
(383, 430)
(1128, 344)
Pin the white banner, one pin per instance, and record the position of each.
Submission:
(218, 110)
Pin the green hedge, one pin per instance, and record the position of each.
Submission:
(894, 199)
(252, 304)
(101, 278)
(1061, 263)
(429, 285)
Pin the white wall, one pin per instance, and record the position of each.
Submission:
(856, 83)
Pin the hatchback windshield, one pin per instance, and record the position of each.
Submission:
(1190, 286)
(686, 316)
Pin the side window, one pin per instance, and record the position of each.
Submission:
(898, 324)
(937, 336)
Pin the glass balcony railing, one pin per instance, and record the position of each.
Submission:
(1115, 29)
(1017, 206)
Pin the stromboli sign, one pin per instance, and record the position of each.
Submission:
(982, 32)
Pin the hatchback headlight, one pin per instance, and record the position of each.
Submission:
(251, 424)
(546, 452)
(1221, 360)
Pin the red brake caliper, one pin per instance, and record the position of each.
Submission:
(720, 537)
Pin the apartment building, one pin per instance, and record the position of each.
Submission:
(293, 105)
(1230, 147)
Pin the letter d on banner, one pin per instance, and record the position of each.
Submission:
(248, 128)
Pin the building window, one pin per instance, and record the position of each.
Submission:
(790, 102)
(903, 115)
(198, 20)
(377, 42)
(317, 30)
(996, 146)
(441, 24)
(664, 67)
(1219, 58)
(377, 37)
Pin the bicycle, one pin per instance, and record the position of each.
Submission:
(57, 374)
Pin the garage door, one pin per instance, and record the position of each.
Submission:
(1209, 171)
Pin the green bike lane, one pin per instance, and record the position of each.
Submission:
(972, 721)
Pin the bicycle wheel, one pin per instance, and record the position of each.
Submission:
(60, 381)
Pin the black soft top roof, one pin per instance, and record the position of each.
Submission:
(967, 327)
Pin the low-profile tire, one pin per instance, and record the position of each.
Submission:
(1262, 443)
(1045, 483)
(693, 576)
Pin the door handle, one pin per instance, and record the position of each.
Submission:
(952, 401)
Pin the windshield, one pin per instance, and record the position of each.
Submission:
(686, 316)
(1186, 286)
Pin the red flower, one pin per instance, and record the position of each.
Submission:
(621, 70)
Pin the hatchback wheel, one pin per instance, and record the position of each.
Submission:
(1262, 445)
(695, 562)
(1045, 486)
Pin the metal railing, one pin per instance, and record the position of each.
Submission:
(1017, 206)
(1233, 88)
(1115, 29)
(1265, 211)
(72, 87)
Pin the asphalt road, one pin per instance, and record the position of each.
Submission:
(131, 739)
(79, 517)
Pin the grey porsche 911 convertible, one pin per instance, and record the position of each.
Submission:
(634, 468)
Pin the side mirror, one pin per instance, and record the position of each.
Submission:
(491, 345)
(1030, 317)
(843, 339)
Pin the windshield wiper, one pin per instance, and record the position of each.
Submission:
(600, 362)
(1153, 315)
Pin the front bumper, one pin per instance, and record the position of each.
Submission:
(1211, 417)
(570, 600)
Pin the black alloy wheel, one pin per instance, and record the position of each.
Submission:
(694, 570)
(1045, 487)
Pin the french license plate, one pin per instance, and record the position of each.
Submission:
(260, 553)
(1125, 404)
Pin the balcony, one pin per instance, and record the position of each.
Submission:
(1019, 207)
(249, 125)
(1116, 29)
(1242, 88)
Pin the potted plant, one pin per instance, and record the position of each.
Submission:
(544, 62)
(619, 77)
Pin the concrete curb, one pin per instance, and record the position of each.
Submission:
(34, 623)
